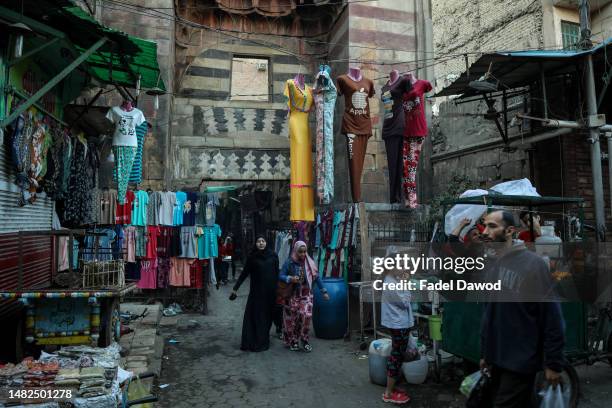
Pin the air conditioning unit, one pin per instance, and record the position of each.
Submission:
(262, 66)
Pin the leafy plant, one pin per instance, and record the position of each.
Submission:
(457, 185)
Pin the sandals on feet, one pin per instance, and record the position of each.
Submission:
(307, 347)
(396, 397)
(294, 347)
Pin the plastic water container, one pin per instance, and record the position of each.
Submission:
(548, 244)
(330, 318)
(378, 353)
(416, 371)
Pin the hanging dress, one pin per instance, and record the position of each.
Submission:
(302, 196)
(325, 94)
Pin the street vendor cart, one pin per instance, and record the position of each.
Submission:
(585, 342)
(84, 307)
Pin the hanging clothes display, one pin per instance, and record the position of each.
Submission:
(123, 212)
(125, 143)
(189, 209)
(393, 131)
(299, 102)
(356, 125)
(208, 245)
(79, 206)
(414, 132)
(108, 207)
(166, 212)
(325, 95)
(154, 208)
(336, 240)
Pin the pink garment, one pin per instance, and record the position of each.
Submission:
(180, 272)
(148, 274)
(130, 244)
(62, 262)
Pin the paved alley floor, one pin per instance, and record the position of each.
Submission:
(207, 369)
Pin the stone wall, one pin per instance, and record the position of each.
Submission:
(157, 27)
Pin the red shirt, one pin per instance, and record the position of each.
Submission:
(153, 232)
(414, 109)
(526, 236)
(227, 250)
(123, 214)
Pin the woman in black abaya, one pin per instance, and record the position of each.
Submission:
(262, 266)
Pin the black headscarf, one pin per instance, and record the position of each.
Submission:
(255, 252)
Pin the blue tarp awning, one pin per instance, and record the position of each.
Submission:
(520, 68)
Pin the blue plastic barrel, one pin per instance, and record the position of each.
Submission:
(329, 318)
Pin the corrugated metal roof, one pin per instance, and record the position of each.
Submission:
(520, 68)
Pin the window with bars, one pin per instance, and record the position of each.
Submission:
(570, 34)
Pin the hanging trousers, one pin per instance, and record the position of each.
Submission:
(412, 152)
(124, 159)
(395, 149)
(356, 146)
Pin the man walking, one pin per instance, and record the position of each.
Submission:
(518, 337)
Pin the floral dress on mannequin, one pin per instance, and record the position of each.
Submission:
(325, 95)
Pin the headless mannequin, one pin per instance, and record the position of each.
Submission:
(355, 74)
(393, 76)
(127, 106)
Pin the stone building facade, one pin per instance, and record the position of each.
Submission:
(465, 143)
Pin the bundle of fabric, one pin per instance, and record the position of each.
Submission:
(93, 382)
(40, 374)
(12, 375)
(68, 377)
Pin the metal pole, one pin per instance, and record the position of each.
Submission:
(609, 137)
(53, 82)
(591, 99)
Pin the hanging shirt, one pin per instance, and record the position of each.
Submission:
(177, 218)
(123, 212)
(154, 208)
(356, 118)
(126, 123)
(392, 98)
(153, 232)
(189, 209)
(108, 206)
(166, 209)
(414, 109)
(136, 173)
(139, 208)
(189, 241)
(208, 247)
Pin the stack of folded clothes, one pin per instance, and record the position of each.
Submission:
(68, 377)
(40, 374)
(11, 375)
(92, 382)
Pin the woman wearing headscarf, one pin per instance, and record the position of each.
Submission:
(300, 274)
(262, 267)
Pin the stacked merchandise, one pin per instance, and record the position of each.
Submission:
(93, 382)
(40, 374)
(11, 375)
(335, 239)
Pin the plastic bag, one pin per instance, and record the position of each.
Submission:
(460, 211)
(469, 383)
(481, 393)
(516, 187)
(555, 397)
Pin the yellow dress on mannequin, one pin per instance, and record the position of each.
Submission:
(302, 192)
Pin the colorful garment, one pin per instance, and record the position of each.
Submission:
(189, 209)
(180, 274)
(399, 342)
(302, 199)
(208, 246)
(297, 315)
(124, 159)
(136, 173)
(141, 242)
(139, 208)
(163, 272)
(414, 109)
(154, 208)
(166, 211)
(107, 207)
(125, 129)
(325, 95)
(79, 208)
(412, 152)
(177, 214)
(148, 274)
(130, 244)
(123, 212)
(189, 241)
(153, 233)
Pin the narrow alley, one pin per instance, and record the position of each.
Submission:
(207, 369)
